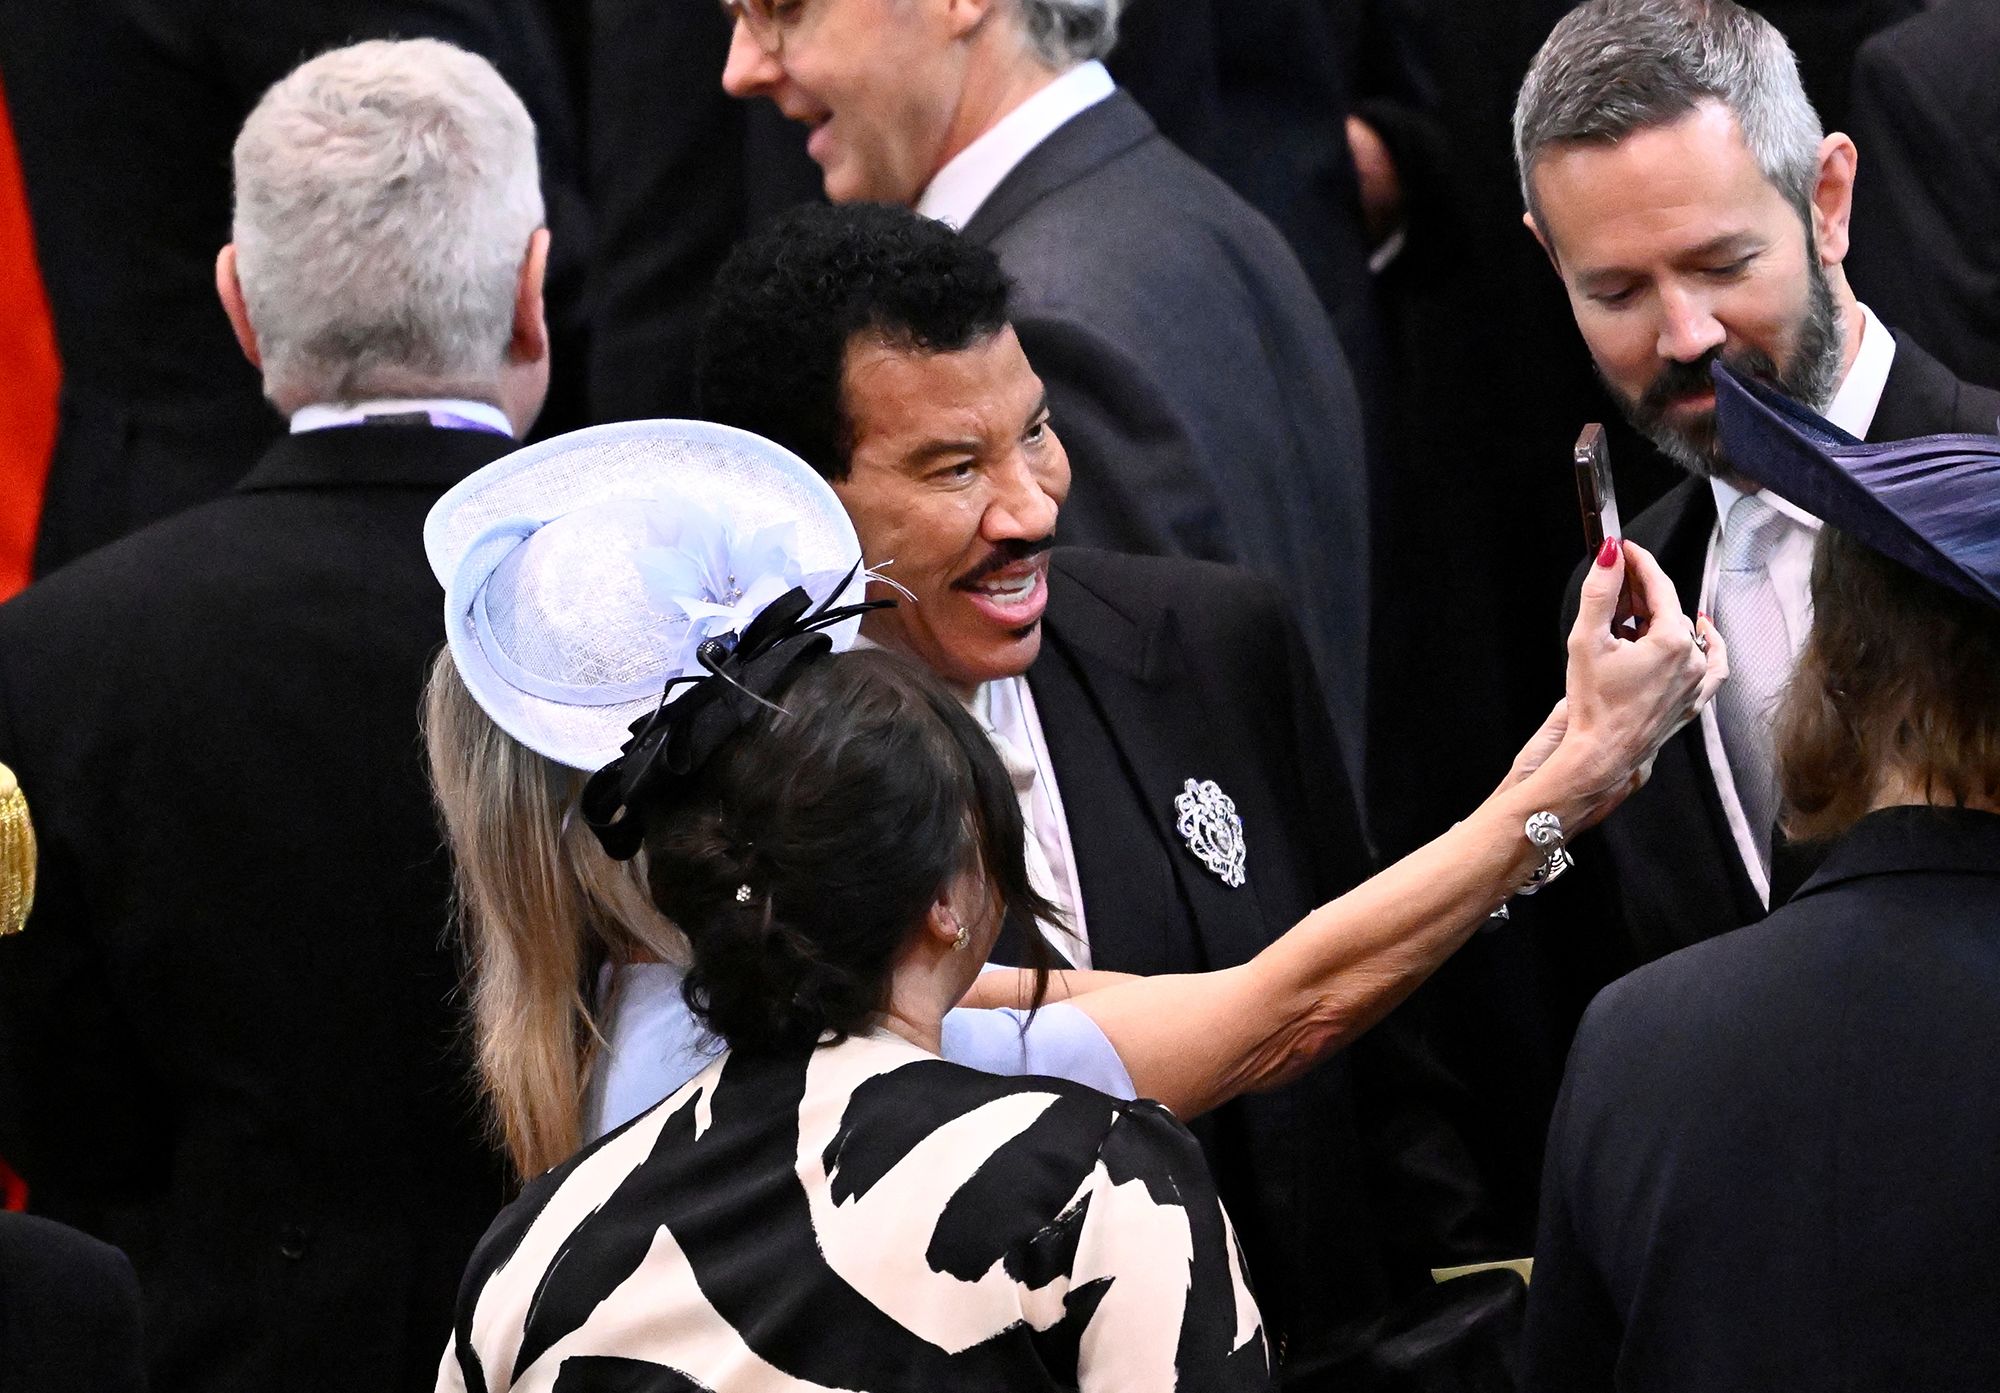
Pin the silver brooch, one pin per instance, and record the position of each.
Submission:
(1208, 820)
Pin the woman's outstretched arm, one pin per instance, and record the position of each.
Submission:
(1196, 1040)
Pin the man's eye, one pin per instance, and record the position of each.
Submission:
(956, 472)
(1615, 299)
(1731, 271)
(1038, 432)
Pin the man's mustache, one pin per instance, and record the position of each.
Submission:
(1003, 555)
(1680, 380)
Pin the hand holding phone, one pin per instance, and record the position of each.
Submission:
(1598, 499)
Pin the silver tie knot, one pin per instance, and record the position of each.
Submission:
(1750, 533)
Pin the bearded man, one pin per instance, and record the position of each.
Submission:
(1679, 179)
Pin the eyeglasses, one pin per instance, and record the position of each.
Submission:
(767, 20)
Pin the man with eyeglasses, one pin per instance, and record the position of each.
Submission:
(1195, 377)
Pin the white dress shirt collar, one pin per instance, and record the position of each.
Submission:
(1854, 405)
(328, 415)
(968, 180)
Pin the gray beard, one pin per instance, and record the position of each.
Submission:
(1810, 377)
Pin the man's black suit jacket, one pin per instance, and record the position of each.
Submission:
(1675, 875)
(1773, 1165)
(1927, 121)
(125, 112)
(1194, 376)
(228, 1036)
(1155, 671)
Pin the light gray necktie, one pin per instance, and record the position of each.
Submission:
(1023, 774)
(1760, 657)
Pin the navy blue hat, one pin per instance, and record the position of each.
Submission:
(1932, 504)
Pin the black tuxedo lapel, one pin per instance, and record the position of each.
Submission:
(1151, 905)
(1922, 397)
(1089, 139)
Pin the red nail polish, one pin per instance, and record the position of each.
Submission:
(1607, 555)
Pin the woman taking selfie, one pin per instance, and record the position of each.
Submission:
(837, 842)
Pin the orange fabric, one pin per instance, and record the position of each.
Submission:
(29, 374)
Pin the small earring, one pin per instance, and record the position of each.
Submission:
(963, 937)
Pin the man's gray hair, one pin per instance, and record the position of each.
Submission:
(386, 194)
(1064, 33)
(1614, 67)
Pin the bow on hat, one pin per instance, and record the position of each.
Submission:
(671, 743)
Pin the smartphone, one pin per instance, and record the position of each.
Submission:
(1598, 499)
(1594, 491)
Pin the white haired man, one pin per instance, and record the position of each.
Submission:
(159, 411)
(226, 1037)
(1679, 179)
(1191, 368)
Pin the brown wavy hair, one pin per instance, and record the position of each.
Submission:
(1900, 680)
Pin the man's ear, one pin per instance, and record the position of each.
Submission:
(529, 342)
(1833, 198)
(230, 291)
(1535, 229)
(964, 17)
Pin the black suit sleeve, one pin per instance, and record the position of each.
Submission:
(1137, 483)
(1573, 1330)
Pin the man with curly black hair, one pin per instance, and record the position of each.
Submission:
(1137, 701)
(1200, 388)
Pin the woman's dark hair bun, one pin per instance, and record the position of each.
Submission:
(845, 817)
(755, 978)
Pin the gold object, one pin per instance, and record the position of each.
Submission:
(17, 855)
(1524, 1268)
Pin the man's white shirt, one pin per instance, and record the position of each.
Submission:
(331, 415)
(1005, 708)
(1853, 410)
(969, 179)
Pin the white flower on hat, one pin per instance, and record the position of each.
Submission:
(718, 577)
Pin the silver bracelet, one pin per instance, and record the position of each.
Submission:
(1544, 831)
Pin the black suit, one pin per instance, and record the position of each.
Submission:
(1194, 376)
(228, 1037)
(69, 1312)
(1773, 1165)
(1927, 121)
(1678, 875)
(125, 112)
(1155, 671)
